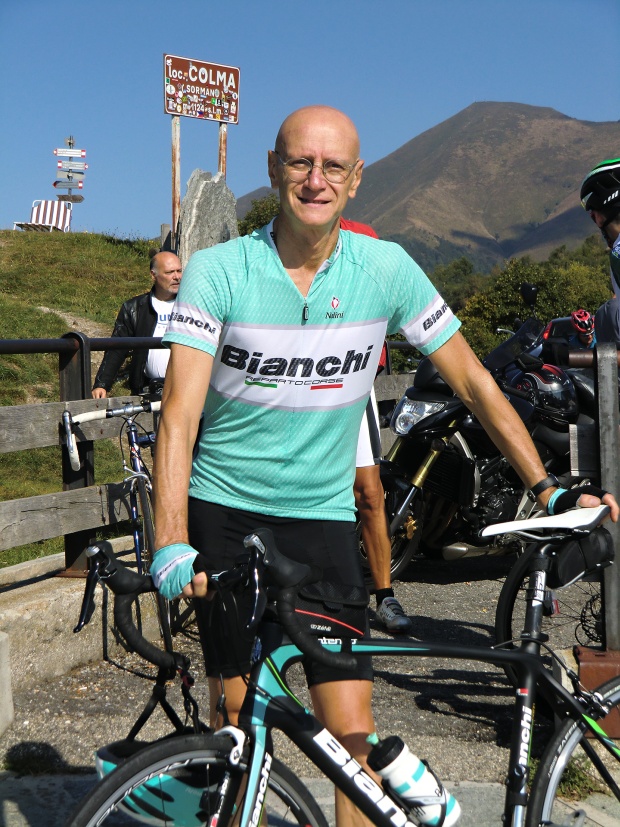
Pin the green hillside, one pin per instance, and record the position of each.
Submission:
(83, 274)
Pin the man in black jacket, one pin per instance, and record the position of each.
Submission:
(145, 315)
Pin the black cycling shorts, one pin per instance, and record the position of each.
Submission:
(217, 532)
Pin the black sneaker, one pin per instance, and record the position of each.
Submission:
(391, 616)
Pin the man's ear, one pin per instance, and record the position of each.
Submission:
(272, 165)
(357, 179)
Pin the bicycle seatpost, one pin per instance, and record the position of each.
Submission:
(531, 636)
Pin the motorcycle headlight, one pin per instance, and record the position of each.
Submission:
(411, 411)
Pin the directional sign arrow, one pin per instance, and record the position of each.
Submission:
(75, 199)
(76, 175)
(72, 165)
(68, 185)
(63, 152)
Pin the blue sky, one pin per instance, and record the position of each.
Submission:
(397, 67)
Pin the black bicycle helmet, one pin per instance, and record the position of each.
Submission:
(600, 189)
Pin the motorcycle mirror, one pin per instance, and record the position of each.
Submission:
(529, 294)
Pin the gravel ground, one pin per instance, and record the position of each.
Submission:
(455, 714)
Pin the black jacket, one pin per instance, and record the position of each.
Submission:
(136, 318)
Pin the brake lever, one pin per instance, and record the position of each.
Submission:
(88, 601)
(256, 571)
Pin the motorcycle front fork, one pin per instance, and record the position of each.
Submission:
(417, 480)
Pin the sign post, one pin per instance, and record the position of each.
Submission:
(195, 89)
(70, 172)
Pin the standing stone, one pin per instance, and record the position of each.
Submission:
(208, 214)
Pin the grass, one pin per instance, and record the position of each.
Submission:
(82, 273)
(85, 274)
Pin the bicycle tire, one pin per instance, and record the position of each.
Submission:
(174, 615)
(287, 800)
(579, 620)
(565, 753)
(145, 516)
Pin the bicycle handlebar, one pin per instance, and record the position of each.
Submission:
(266, 567)
(103, 413)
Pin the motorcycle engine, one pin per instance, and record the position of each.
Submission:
(499, 495)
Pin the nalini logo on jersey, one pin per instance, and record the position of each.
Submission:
(333, 314)
(273, 371)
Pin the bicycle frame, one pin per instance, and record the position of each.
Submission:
(270, 703)
(136, 466)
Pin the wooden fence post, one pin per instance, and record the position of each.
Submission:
(75, 383)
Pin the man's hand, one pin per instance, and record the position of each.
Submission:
(587, 496)
(197, 587)
(99, 393)
(172, 571)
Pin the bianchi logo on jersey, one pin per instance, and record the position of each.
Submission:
(291, 368)
(274, 371)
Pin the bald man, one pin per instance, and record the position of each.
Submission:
(144, 315)
(275, 341)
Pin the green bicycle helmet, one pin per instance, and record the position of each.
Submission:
(600, 189)
(166, 799)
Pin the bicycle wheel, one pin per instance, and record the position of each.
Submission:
(567, 778)
(147, 535)
(572, 614)
(175, 782)
(174, 615)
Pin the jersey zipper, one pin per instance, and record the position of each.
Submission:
(305, 313)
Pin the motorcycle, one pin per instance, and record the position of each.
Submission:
(445, 480)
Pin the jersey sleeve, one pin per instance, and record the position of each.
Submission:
(419, 311)
(203, 301)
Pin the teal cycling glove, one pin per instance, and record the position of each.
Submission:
(173, 568)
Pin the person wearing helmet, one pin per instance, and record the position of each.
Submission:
(600, 197)
(584, 336)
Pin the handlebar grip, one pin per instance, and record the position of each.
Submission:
(308, 644)
(126, 585)
(123, 620)
(72, 449)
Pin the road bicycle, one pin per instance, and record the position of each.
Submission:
(232, 776)
(133, 438)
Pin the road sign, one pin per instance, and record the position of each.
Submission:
(196, 89)
(70, 175)
(68, 185)
(75, 199)
(72, 165)
(63, 152)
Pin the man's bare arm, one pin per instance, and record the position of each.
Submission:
(185, 391)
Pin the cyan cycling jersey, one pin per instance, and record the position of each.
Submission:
(292, 374)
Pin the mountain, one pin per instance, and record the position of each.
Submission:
(494, 181)
(245, 202)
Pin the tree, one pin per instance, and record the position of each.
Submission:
(260, 213)
(566, 282)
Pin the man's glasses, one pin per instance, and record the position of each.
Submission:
(298, 169)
